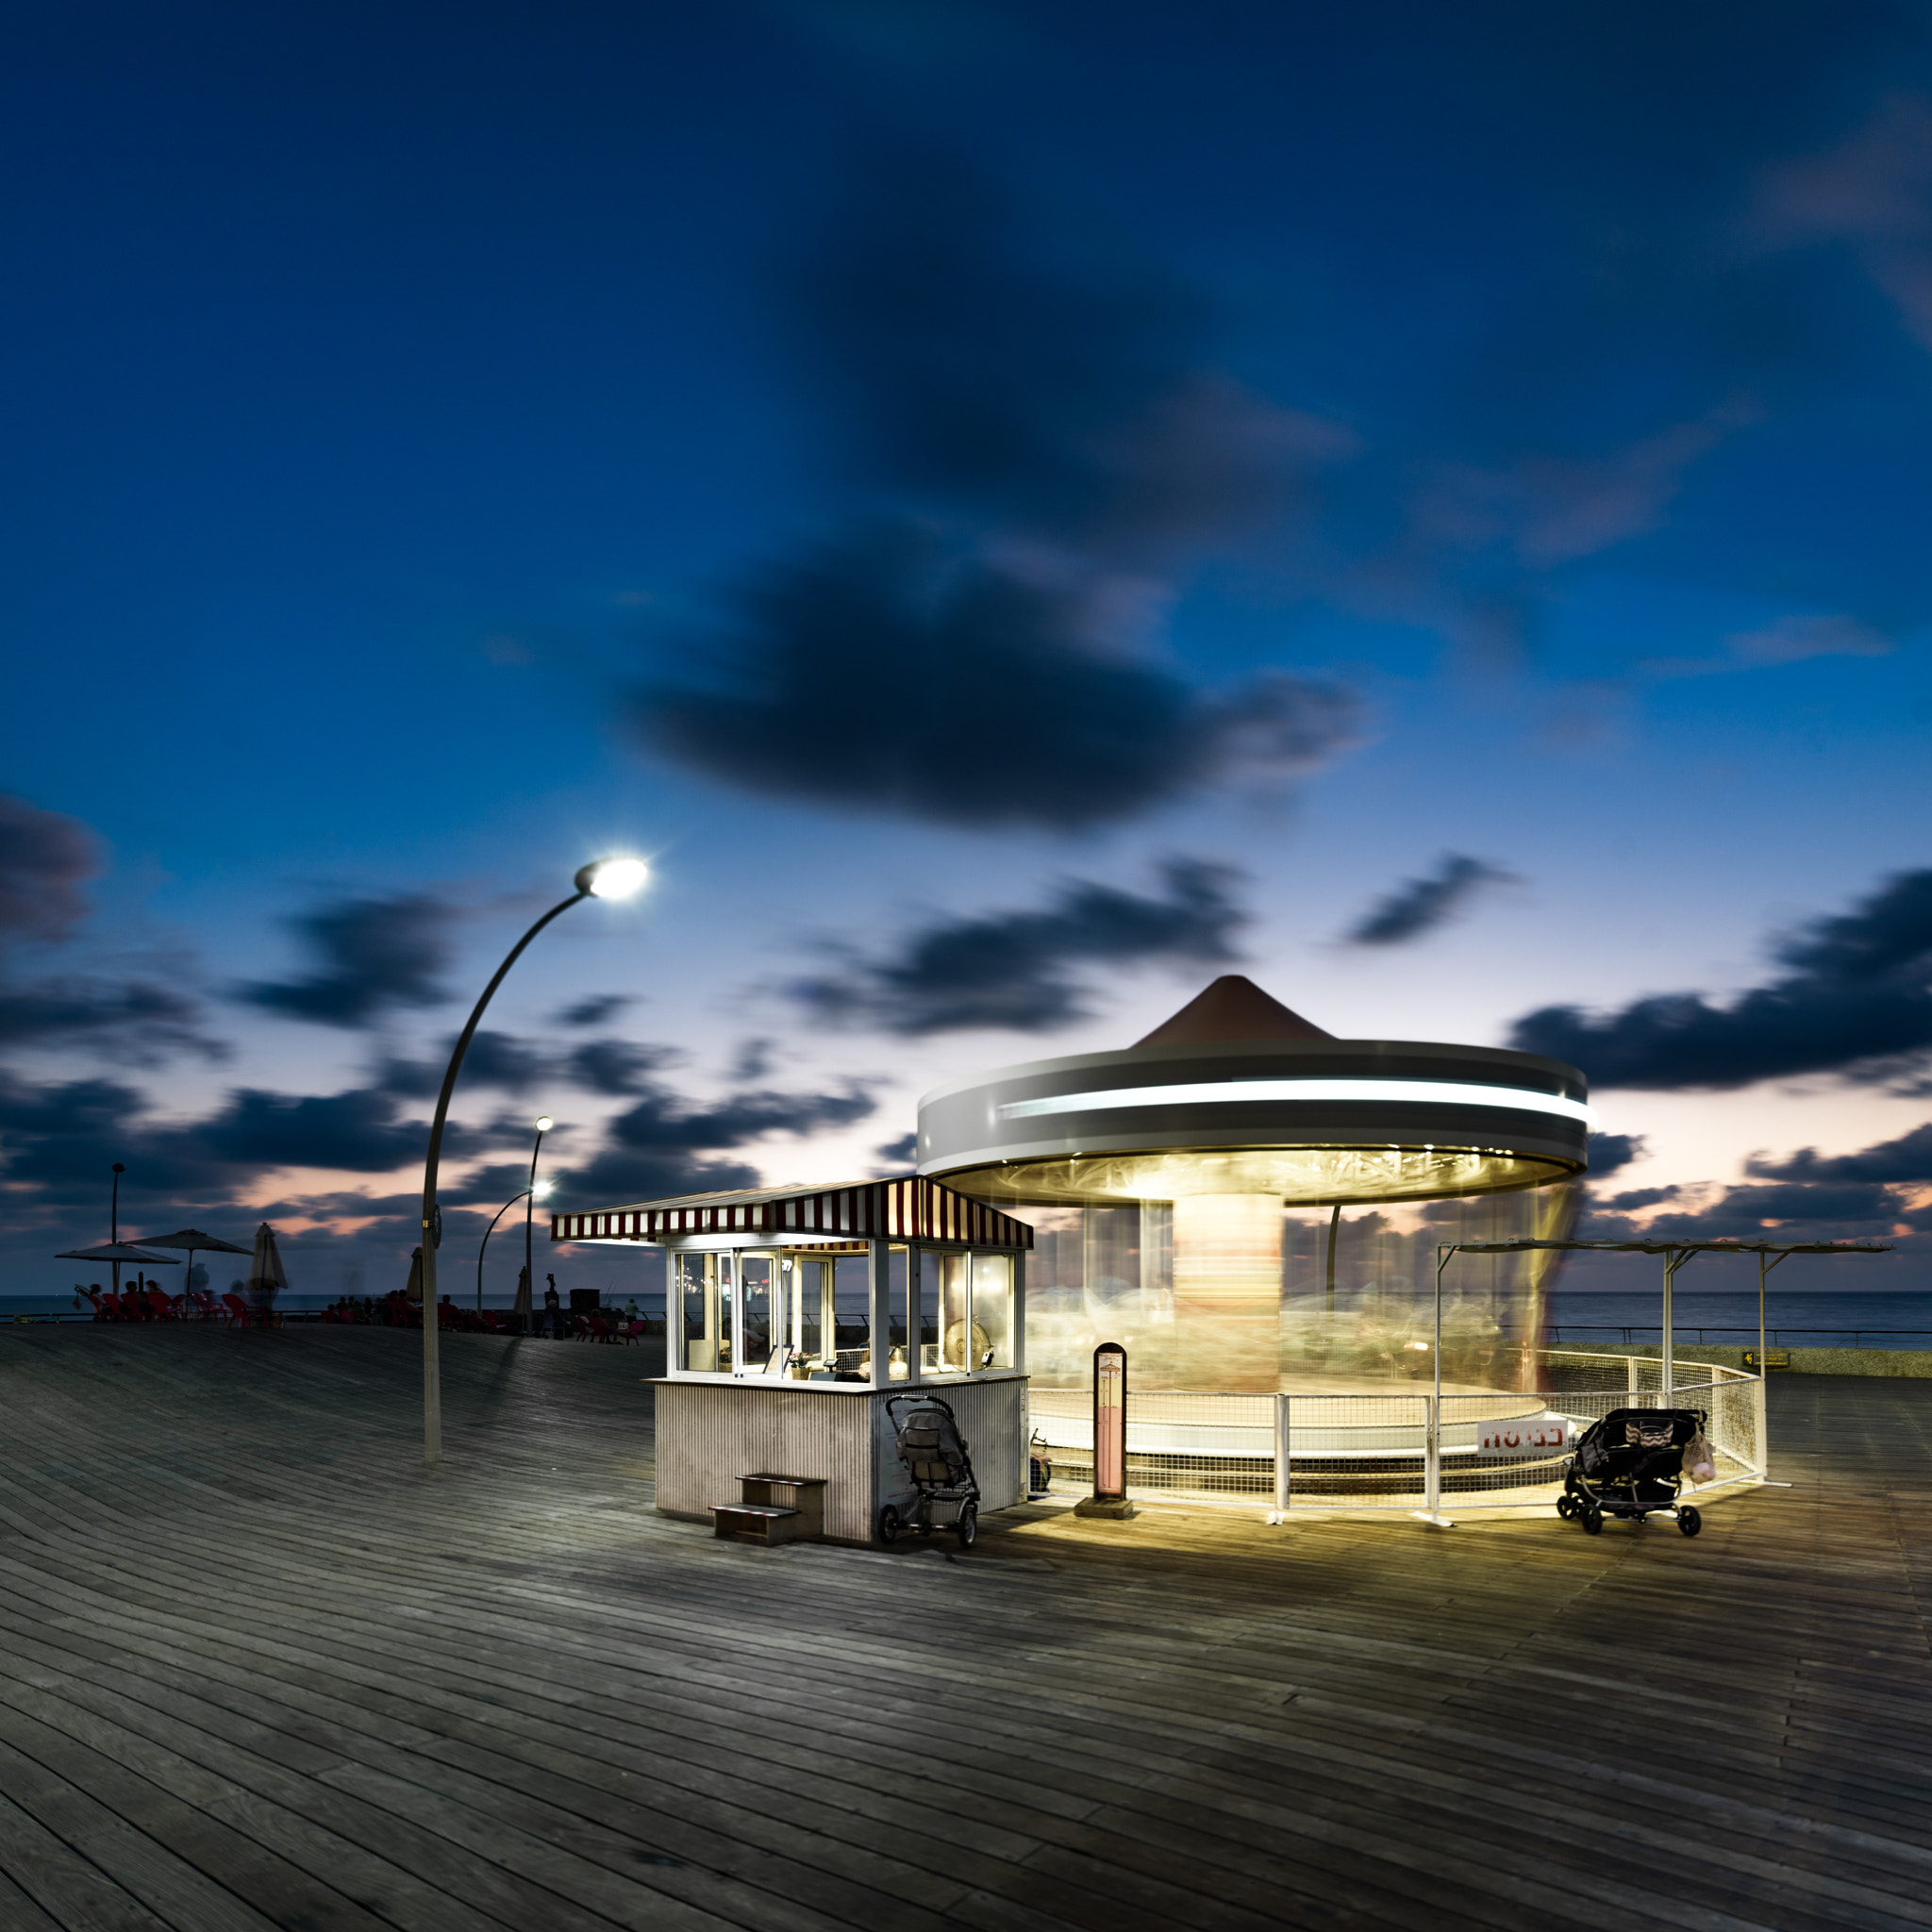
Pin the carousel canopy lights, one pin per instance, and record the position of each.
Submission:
(1194, 1093)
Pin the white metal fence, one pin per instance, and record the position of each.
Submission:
(1399, 1451)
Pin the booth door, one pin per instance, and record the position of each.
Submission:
(757, 1313)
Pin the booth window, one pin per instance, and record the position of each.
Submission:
(895, 1314)
(952, 1315)
(851, 1305)
(992, 1311)
(694, 1295)
(757, 1290)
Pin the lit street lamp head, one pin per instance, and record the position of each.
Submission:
(545, 1123)
(612, 878)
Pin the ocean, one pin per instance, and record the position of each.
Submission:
(1800, 1318)
(1797, 1318)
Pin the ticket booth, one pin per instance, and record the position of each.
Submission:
(794, 1318)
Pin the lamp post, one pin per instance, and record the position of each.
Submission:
(114, 1222)
(545, 1123)
(487, 1233)
(606, 878)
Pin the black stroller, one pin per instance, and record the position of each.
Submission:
(935, 1457)
(1631, 1464)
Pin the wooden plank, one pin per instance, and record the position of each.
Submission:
(517, 1675)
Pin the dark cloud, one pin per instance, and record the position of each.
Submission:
(1035, 423)
(513, 1065)
(980, 692)
(1419, 906)
(1909, 1159)
(1019, 970)
(1610, 1152)
(137, 1014)
(617, 1066)
(493, 1060)
(63, 1134)
(43, 859)
(1800, 1211)
(357, 1132)
(899, 1154)
(1856, 1001)
(1045, 383)
(1634, 1198)
(753, 1060)
(631, 1174)
(374, 955)
(667, 1144)
(595, 1010)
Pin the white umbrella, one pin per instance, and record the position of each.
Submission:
(265, 1275)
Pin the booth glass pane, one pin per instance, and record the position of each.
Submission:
(808, 1300)
(895, 1313)
(956, 1353)
(757, 1293)
(693, 1311)
(852, 1306)
(992, 1311)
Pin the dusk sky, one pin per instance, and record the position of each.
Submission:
(1013, 510)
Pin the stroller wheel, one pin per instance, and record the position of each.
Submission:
(1688, 1521)
(1592, 1522)
(1565, 1508)
(969, 1525)
(888, 1525)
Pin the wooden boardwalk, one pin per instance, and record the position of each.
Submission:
(257, 1669)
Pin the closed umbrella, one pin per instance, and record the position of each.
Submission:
(195, 1242)
(265, 1276)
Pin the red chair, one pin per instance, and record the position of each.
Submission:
(159, 1308)
(238, 1310)
(633, 1332)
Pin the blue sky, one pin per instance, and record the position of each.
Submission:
(1015, 509)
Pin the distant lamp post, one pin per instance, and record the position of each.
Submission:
(483, 1249)
(606, 878)
(545, 1123)
(114, 1222)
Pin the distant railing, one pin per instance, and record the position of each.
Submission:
(1597, 1331)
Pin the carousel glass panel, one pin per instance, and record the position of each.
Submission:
(1236, 1292)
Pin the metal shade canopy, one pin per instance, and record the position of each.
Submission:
(1683, 1247)
(1677, 1255)
(195, 1241)
(116, 1251)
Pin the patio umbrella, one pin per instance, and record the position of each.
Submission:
(195, 1242)
(265, 1270)
(117, 1251)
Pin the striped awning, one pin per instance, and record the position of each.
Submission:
(904, 1210)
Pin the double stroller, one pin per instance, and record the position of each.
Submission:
(1631, 1463)
(945, 1493)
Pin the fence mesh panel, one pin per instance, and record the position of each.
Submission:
(1181, 1447)
(1358, 1452)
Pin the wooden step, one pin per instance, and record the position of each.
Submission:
(761, 1523)
(806, 1493)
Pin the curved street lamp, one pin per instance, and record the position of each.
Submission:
(545, 1123)
(487, 1233)
(606, 878)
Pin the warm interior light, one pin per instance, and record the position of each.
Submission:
(545, 1123)
(614, 878)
